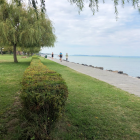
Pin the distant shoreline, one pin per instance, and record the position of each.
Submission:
(123, 65)
(108, 56)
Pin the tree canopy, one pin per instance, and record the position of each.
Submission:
(93, 4)
(21, 26)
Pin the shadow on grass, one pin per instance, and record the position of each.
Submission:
(24, 63)
(12, 63)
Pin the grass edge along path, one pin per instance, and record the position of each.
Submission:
(95, 109)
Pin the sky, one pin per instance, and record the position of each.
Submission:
(99, 34)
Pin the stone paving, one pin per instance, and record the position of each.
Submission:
(124, 82)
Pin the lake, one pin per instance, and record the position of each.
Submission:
(129, 65)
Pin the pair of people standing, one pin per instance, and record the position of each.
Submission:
(62, 55)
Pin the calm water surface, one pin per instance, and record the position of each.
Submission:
(129, 65)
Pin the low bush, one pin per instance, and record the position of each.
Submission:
(43, 96)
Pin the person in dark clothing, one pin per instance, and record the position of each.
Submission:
(52, 55)
(60, 56)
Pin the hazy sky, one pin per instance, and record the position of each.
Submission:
(98, 34)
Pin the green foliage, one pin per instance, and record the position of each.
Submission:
(94, 4)
(43, 96)
(29, 50)
(21, 26)
(8, 49)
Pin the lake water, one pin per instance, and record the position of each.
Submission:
(129, 65)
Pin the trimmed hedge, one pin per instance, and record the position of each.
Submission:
(43, 97)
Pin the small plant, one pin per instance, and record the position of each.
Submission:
(43, 97)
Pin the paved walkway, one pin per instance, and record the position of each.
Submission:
(126, 83)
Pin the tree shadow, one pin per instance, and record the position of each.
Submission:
(15, 64)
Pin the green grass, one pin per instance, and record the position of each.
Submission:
(95, 109)
(10, 77)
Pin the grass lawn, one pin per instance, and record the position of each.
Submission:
(95, 110)
(10, 76)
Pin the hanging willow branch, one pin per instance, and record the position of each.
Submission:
(94, 4)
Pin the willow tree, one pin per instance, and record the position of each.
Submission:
(30, 50)
(8, 49)
(93, 4)
(21, 26)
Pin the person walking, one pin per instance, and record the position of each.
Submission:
(66, 56)
(60, 56)
(52, 55)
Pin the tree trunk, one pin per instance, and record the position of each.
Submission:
(14, 53)
(28, 53)
(1, 52)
